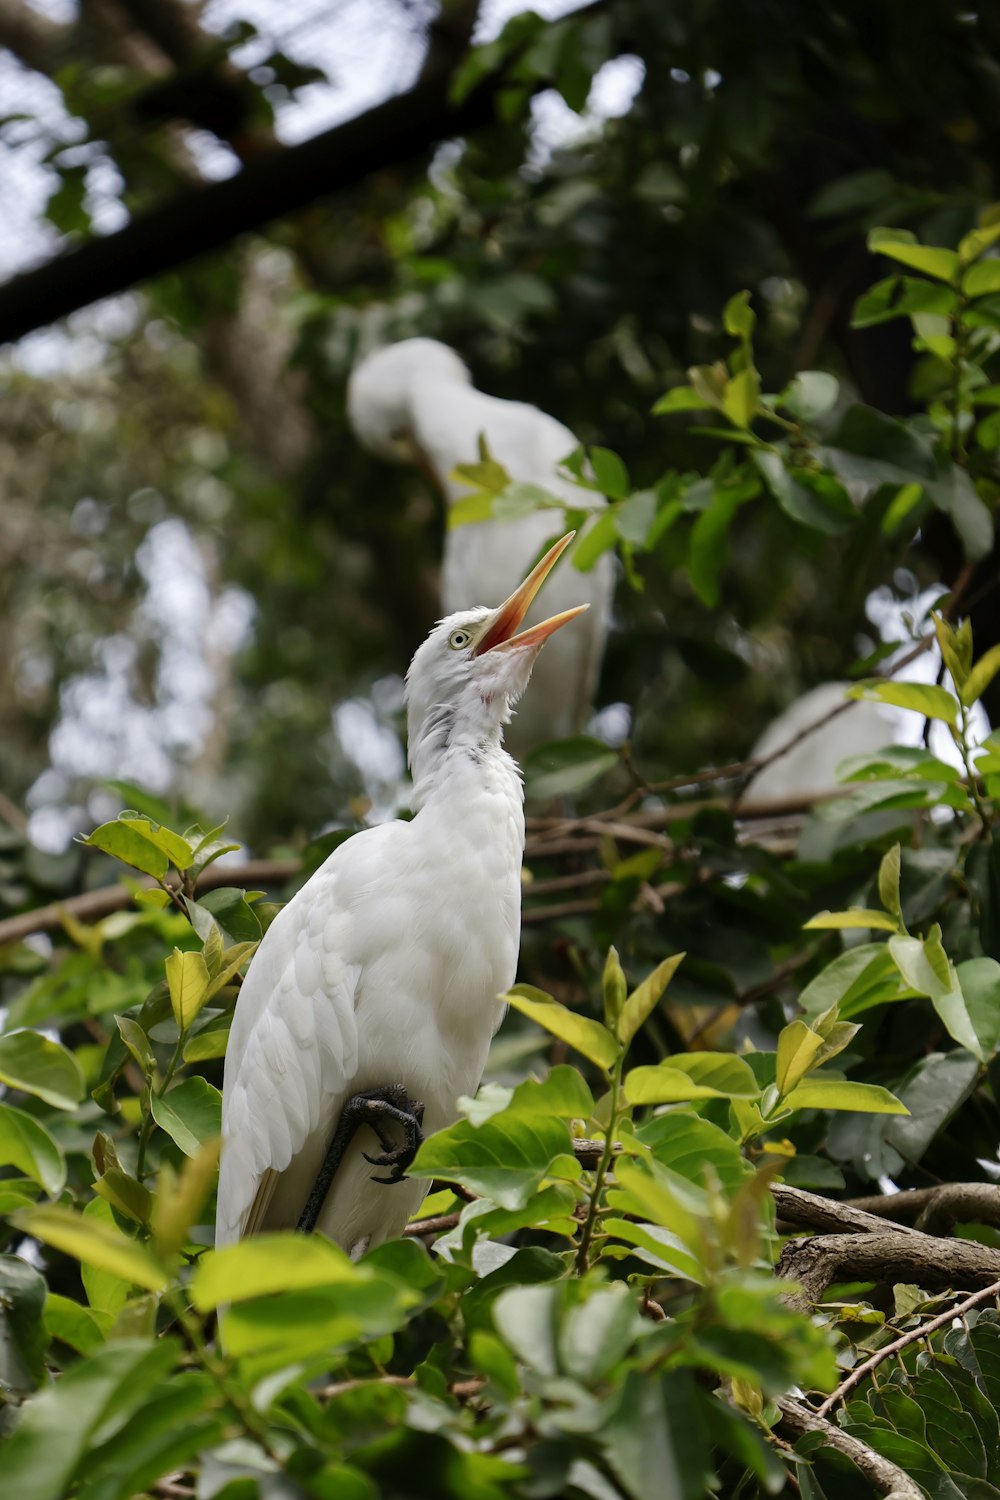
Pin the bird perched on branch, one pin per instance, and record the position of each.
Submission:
(373, 996)
(414, 402)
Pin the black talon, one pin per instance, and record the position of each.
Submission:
(375, 1108)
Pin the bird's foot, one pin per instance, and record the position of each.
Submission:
(377, 1108)
(380, 1106)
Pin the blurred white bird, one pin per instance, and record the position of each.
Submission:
(809, 768)
(373, 996)
(414, 402)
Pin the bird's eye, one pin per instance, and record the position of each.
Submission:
(459, 639)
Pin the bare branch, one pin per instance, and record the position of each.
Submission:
(884, 1477)
(809, 1211)
(943, 1320)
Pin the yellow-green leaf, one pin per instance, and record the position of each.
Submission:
(270, 1263)
(858, 916)
(982, 279)
(179, 1200)
(615, 988)
(97, 1244)
(37, 1065)
(981, 676)
(798, 1048)
(841, 1093)
(27, 1145)
(922, 697)
(888, 881)
(742, 397)
(188, 982)
(126, 1194)
(901, 245)
(645, 998)
(693, 1075)
(588, 1037)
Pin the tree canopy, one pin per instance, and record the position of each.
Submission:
(724, 1215)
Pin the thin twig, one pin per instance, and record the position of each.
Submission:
(914, 1335)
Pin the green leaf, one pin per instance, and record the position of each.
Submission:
(799, 501)
(798, 1048)
(506, 1158)
(71, 1323)
(681, 398)
(209, 1043)
(137, 1042)
(923, 698)
(131, 840)
(656, 1437)
(982, 278)
(588, 1037)
(902, 296)
(858, 916)
(841, 1093)
(689, 1076)
(615, 989)
(610, 474)
(979, 979)
(646, 997)
(269, 1263)
(926, 968)
(92, 1399)
(23, 1337)
(738, 317)
(566, 767)
(930, 260)
(599, 537)
(126, 1194)
(188, 982)
(95, 1243)
(854, 980)
(888, 881)
(36, 1065)
(980, 677)
(693, 1147)
(26, 1145)
(742, 398)
(191, 1114)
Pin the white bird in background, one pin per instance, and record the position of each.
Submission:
(809, 768)
(414, 402)
(373, 996)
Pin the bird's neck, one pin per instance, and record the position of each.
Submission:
(462, 766)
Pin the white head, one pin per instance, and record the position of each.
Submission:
(464, 680)
(380, 387)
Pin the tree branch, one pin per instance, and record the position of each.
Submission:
(885, 1478)
(936, 1210)
(886, 1256)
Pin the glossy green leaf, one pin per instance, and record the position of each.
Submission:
(27, 1145)
(979, 980)
(646, 997)
(858, 916)
(586, 1036)
(97, 1244)
(188, 981)
(37, 1065)
(798, 1049)
(23, 1336)
(925, 966)
(506, 1158)
(982, 278)
(271, 1263)
(888, 881)
(691, 1075)
(842, 1093)
(923, 698)
(901, 245)
(126, 841)
(980, 677)
(190, 1113)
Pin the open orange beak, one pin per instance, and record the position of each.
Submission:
(510, 614)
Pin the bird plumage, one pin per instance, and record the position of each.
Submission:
(415, 402)
(386, 965)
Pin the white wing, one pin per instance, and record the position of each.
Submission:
(292, 1054)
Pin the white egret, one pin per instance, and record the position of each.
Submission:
(373, 996)
(414, 402)
(809, 767)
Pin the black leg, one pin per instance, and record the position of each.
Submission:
(376, 1108)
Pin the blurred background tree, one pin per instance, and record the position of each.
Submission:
(194, 544)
